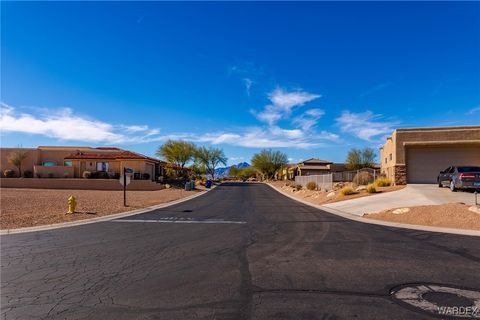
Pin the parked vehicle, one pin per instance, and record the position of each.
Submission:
(462, 177)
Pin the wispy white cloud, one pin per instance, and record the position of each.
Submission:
(248, 84)
(309, 118)
(365, 125)
(64, 124)
(282, 104)
(474, 110)
(376, 88)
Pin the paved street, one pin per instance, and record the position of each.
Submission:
(242, 251)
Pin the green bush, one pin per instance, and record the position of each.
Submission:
(9, 173)
(383, 182)
(311, 185)
(371, 188)
(345, 191)
(363, 178)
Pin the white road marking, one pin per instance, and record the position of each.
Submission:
(210, 221)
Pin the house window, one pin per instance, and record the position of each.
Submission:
(102, 166)
(390, 156)
(49, 163)
(67, 163)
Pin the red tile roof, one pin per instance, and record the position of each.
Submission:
(118, 155)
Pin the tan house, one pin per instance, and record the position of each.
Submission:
(310, 167)
(72, 162)
(417, 155)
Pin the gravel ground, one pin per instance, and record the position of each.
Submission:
(33, 207)
(451, 215)
(320, 197)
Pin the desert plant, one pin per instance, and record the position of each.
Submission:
(345, 191)
(363, 178)
(311, 185)
(383, 182)
(210, 159)
(371, 188)
(9, 173)
(298, 187)
(17, 158)
(358, 159)
(177, 151)
(86, 174)
(268, 162)
(27, 174)
(101, 175)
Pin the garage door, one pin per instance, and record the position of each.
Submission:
(424, 163)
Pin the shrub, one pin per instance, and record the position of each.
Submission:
(383, 182)
(86, 174)
(345, 191)
(27, 174)
(311, 185)
(371, 188)
(9, 173)
(146, 176)
(101, 175)
(363, 178)
(298, 187)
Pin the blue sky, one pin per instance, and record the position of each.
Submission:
(312, 79)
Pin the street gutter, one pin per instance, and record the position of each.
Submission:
(349, 216)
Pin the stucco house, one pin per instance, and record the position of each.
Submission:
(72, 162)
(417, 155)
(310, 167)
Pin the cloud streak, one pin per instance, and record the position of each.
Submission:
(365, 125)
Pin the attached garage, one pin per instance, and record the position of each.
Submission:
(425, 162)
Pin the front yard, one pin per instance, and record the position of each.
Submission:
(324, 197)
(451, 215)
(33, 207)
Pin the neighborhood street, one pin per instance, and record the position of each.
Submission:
(241, 251)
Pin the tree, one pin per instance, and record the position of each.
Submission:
(177, 152)
(16, 159)
(246, 173)
(358, 159)
(210, 158)
(268, 162)
(234, 171)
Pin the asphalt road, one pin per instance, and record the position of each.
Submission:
(286, 261)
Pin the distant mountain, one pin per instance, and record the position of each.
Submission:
(225, 171)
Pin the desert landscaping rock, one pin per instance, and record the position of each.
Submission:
(451, 215)
(475, 209)
(360, 188)
(401, 210)
(331, 194)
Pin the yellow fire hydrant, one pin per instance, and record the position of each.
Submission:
(72, 204)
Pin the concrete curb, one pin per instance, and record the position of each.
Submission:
(349, 216)
(101, 219)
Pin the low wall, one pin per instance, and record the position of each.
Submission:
(79, 184)
(53, 171)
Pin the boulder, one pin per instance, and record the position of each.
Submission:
(401, 210)
(331, 194)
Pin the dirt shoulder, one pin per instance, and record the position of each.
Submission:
(451, 215)
(321, 197)
(34, 207)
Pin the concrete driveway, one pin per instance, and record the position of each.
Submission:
(411, 195)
